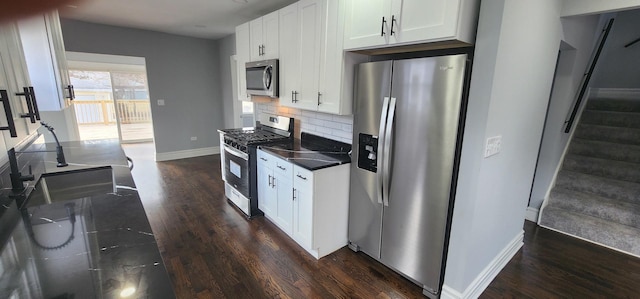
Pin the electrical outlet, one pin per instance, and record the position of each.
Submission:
(493, 146)
(194, 138)
(160, 102)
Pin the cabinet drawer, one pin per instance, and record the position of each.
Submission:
(302, 178)
(282, 167)
(266, 159)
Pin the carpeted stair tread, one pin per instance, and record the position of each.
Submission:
(610, 188)
(597, 206)
(605, 150)
(608, 233)
(620, 105)
(619, 170)
(607, 133)
(611, 118)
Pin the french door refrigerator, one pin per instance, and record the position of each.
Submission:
(406, 137)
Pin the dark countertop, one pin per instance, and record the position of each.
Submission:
(311, 152)
(92, 243)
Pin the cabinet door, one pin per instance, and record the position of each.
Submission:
(14, 79)
(311, 34)
(331, 61)
(266, 194)
(41, 63)
(289, 58)
(255, 49)
(270, 36)
(284, 208)
(243, 47)
(303, 207)
(52, 20)
(424, 20)
(364, 26)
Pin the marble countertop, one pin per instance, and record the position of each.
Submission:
(82, 244)
(311, 152)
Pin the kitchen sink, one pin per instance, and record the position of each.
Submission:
(74, 184)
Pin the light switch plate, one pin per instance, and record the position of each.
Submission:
(493, 146)
(161, 102)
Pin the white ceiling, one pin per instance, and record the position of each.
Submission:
(210, 19)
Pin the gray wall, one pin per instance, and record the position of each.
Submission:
(580, 35)
(183, 71)
(515, 57)
(619, 67)
(227, 48)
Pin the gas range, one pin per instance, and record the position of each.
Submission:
(239, 158)
(244, 137)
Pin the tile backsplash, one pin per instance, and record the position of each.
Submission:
(336, 127)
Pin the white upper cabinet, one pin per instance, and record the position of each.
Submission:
(242, 57)
(264, 37)
(46, 61)
(312, 20)
(315, 74)
(14, 81)
(289, 63)
(302, 33)
(381, 23)
(367, 23)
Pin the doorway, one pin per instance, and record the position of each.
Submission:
(111, 99)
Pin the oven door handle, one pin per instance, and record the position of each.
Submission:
(236, 152)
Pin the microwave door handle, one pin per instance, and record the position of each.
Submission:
(266, 77)
(380, 170)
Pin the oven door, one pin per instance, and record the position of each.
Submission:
(236, 169)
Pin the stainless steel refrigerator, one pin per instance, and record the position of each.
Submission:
(406, 145)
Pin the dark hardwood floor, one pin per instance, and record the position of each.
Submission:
(211, 251)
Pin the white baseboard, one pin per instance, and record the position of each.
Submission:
(482, 281)
(617, 93)
(187, 153)
(532, 214)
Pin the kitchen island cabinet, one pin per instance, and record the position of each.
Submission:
(315, 200)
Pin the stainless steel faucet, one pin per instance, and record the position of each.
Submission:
(17, 178)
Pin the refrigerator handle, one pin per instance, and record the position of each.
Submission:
(380, 170)
(386, 167)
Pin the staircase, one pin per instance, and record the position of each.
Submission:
(597, 191)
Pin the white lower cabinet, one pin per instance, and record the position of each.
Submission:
(310, 206)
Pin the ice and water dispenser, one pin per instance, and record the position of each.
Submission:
(367, 152)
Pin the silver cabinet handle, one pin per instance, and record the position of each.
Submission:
(382, 29)
(294, 194)
(269, 180)
(7, 112)
(283, 168)
(319, 94)
(263, 159)
(301, 177)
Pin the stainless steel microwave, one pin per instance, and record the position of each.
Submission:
(262, 78)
